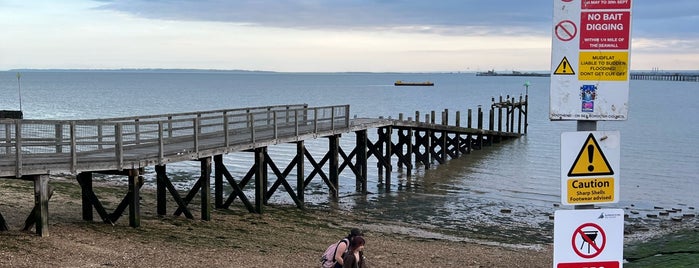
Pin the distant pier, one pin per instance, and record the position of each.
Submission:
(683, 77)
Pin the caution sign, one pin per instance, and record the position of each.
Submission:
(603, 66)
(590, 167)
(588, 238)
(590, 160)
(564, 68)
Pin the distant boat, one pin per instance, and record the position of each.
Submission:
(403, 83)
(514, 73)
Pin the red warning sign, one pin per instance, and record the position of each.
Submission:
(605, 30)
(589, 240)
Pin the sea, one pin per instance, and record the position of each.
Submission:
(506, 192)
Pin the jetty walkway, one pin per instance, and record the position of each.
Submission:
(665, 76)
(36, 149)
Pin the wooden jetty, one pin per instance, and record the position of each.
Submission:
(661, 76)
(34, 150)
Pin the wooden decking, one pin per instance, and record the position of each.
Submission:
(36, 149)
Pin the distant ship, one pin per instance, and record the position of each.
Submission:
(514, 73)
(403, 83)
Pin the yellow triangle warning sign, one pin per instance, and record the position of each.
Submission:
(564, 68)
(590, 161)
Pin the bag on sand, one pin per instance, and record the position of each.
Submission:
(328, 258)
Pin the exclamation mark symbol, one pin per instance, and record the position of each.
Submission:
(590, 152)
(565, 65)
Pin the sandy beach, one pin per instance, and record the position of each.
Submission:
(281, 237)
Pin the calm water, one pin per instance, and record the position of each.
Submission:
(660, 140)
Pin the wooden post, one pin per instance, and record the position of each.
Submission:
(300, 175)
(265, 175)
(85, 179)
(259, 177)
(161, 189)
(218, 181)
(519, 120)
(526, 112)
(361, 180)
(409, 154)
(458, 118)
(333, 169)
(512, 115)
(135, 201)
(500, 115)
(387, 157)
(41, 202)
(480, 126)
(470, 120)
(205, 188)
(491, 125)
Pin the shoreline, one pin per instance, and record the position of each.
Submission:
(235, 236)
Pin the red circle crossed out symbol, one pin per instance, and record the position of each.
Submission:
(566, 30)
(588, 237)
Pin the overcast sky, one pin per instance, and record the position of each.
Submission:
(316, 35)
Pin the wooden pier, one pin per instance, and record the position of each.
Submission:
(35, 149)
(659, 76)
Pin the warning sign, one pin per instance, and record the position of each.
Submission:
(593, 190)
(603, 66)
(564, 68)
(605, 30)
(590, 160)
(589, 167)
(593, 236)
(594, 38)
(588, 238)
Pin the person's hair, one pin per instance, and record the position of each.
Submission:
(356, 243)
(354, 232)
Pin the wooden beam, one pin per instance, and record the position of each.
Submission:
(135, 201)
(259, 178)
(300, 187)
(41, 203)
(361, 178)
(33, 217)
(218, 176)
(164, 183)
(205, 188)
(333, 168)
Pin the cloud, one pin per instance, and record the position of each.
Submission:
(441, 17)
(677, 18)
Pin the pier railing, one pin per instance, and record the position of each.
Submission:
(51, 146)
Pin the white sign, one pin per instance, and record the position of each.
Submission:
(590, 60)
(588, 238)
(590, 166)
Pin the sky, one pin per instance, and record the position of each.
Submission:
(319, 36)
